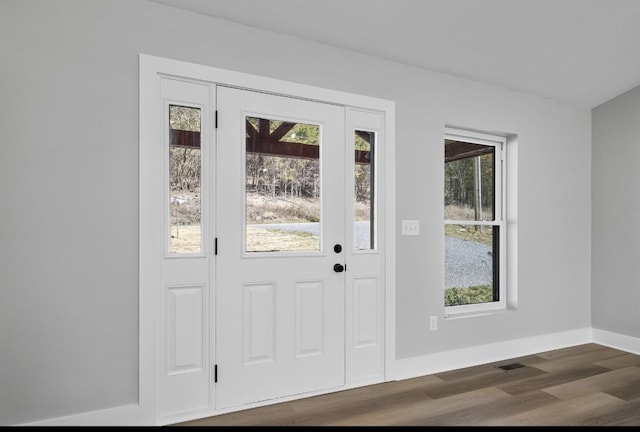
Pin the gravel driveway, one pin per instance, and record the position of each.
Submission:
(467, 263)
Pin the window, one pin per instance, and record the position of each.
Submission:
(364, 228)
(474, 215)
(185, 183)
(282, 201)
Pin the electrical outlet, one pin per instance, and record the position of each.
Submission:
(433, 323)
(410, 227)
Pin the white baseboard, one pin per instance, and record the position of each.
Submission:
(133, 415)
(617, 340)
(482, 354)
(194, 415)
(127, 415)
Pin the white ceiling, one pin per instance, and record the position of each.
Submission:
(584, 52)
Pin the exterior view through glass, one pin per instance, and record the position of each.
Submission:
(471, 249)
(185, 161)
(364, 193)
(282, 186)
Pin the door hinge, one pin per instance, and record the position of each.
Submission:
(215, 246)
(216, 118)
(215, 373)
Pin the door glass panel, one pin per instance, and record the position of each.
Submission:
(185, 160)
(282, 184)
(364, 205)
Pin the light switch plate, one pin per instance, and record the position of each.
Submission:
(410, 227)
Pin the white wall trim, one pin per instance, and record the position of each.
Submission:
(488, 353)
(390, 249)
(127, 415)
(618, 341)
(133, 415)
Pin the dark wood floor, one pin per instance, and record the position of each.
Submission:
(585, 385)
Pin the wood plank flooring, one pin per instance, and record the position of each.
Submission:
(585, 385)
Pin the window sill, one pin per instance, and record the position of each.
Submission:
(476, 313)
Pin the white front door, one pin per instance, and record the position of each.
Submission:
(280, 288)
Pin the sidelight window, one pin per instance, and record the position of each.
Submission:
(185, 183)
(364, 228)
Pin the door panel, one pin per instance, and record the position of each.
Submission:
(365, 286)
(185, 262)
(280, 303)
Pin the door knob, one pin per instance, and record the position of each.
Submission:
(337, 248)
(338, 268)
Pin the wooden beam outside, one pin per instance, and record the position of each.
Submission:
(283, 148)
(281, 131)
(184, 139)
(255, 144)
(456, 150)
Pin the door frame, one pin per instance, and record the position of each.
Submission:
(151, 69)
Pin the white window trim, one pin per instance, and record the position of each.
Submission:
(500, 142)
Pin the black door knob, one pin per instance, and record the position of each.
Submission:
(338, 268)
(337, 248)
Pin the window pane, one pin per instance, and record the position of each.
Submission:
(364, 171)
(469, 181)
(184, 180)
(470, 269)
(282, 186)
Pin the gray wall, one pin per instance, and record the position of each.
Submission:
(615, 279)
(69, 200)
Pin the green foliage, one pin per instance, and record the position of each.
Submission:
(363, 182)
(303, 133)
(285, 176)
(362, 144)
(362, 172)
(184, 118)
(184, 169)
(470, 295)
(184, 163)
(292, 177)
(476, 233)
(460, 182)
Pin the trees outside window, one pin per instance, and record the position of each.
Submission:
(473, 220)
